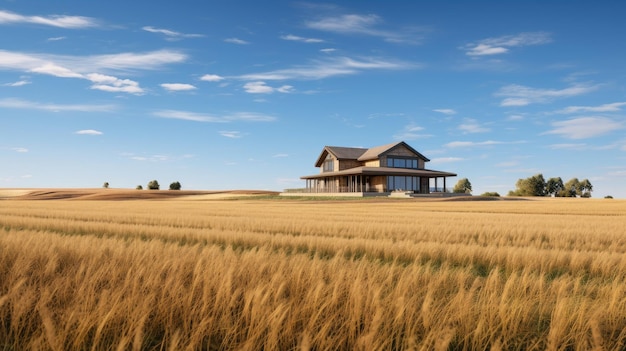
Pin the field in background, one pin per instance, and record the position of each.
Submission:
(300, 275)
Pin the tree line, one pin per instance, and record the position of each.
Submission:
(152, 185)
(538, 186)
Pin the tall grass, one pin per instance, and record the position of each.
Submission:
(268, 275)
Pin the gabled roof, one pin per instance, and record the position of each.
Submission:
(377, 151)
(341, 153)
(360, 154)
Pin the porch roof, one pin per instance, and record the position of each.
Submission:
(382, 171)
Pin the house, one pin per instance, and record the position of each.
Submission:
(378, 170)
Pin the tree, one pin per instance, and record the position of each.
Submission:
(139, 187)
(175, 186)
(531, 186)
(105, 185)
(554, 186)
(463, 186)
(571, 188)
(585, 188)
(153, 185)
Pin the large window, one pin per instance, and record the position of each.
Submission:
(329, 165)
(407, 183)
(402, 162)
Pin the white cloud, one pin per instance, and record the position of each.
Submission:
(57, 38)
(445, 111)
(170, 34)
(88, 132)
(19, 83)
(411, 132)
(262, 88)
(55, 70)
(285, 89)
(211, 78)
(456, 144)
(614, 107)
(501, 45)
(231, 134)
(585, 127)
(69, 22)
(113, 84)
(519, 95)
(203, 117)
(471, 126)
(328, 50)
(292, 37)
(236, 41)
(32, 105)
(439, 160)
(85, 67)
(280, 155)
(258, 88)
(20, 149)
(568, 146)
(364, 25)
(330, 67)
(177, 87)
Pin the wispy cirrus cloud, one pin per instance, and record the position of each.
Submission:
(177, 87)
(440, 160)
(365, 25)
(88, 132)
(411, 132)
(472, 126)
(19, 83)
(262, 88)
(519, 95)
(445, 111)
(613, 107)
(170, 34)
(211, 118)
(585, 127)
(236, 41)
(20, 149)
(456, 144)
(501, 45)
(93, 67)
(292, 37)
(320, 69)
(68, 22)
(33, 105)
(211, 78)
(233, 134)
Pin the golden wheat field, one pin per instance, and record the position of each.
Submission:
(264, 274)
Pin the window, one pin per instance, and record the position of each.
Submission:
(329, 165)
(402, 162)
(406, 183)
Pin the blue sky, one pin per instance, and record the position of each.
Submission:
(245, 94)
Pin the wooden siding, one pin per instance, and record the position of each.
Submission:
(400, 150)
(372, 163)
(347, 164)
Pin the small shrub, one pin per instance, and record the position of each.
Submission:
(153, 185)
(490, 193)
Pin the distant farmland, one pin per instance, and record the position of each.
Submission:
(266, 274)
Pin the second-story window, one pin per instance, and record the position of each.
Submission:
(329, 165)
(398, 162)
